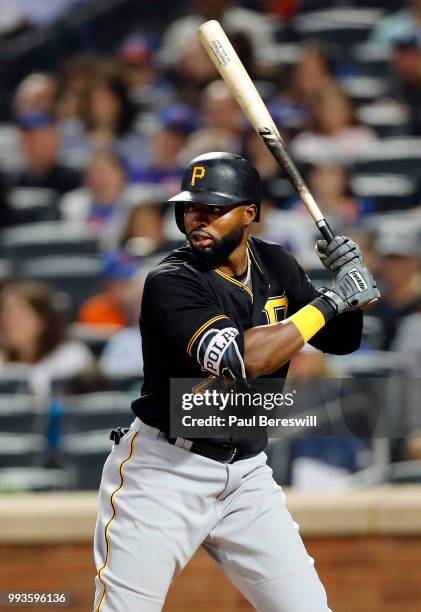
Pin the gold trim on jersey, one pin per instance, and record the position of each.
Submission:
(107, 528)
(200, 387)
(201, 329)
(235, 281)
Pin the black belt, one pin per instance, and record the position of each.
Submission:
(222, 453)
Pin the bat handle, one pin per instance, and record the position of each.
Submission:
(325, 230)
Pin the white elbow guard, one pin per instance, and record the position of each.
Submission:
(218, 353)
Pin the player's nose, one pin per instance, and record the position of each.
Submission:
(200, 218)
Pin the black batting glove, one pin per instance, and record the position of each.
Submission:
(338, 253)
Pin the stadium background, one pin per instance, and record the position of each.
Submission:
(102, 103)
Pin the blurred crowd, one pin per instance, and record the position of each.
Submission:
(91, 152)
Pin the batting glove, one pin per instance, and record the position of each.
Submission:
(338, 253)
(353, 287)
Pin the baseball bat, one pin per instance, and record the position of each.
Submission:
(231, 69)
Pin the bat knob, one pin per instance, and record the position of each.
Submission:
(370, 304)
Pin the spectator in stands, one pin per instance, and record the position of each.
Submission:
(401, 295)
(40, 14)
(122, 355)
(6, 216)
(12, 18)
(334, 131)
(402, 24)
(259, 155)
(274, 185)
(204, 140)
(170, 135)
(407, 342)
(113, 306)
(406, 62)
(40, 140)
(301, 85)
(144, 230)
(283, 9)
(330, 184)
(322, 462)
(366, 238)
(75, 77)
(220, 111)
(192, 71)
(257, 27)
(36, 93)
(33, 332)
(222, 124)
(110, 119)
(102, 203)
(148, 90)
(90, 379)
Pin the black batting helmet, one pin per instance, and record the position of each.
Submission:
(217, 179)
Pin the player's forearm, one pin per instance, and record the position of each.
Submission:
(268, 347)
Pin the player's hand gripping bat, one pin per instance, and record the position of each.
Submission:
(229, 65)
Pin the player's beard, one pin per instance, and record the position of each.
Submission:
(217, 254)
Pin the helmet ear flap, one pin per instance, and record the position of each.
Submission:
(179, 216)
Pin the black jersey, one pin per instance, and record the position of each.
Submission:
(182, 300)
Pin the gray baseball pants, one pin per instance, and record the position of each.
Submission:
(158, 503)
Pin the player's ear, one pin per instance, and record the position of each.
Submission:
(250, 213)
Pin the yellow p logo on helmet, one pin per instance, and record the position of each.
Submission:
(198, 173)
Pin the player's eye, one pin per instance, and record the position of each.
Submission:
(188, 208)
(217, 209)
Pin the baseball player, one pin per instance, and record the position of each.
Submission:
(249, 300)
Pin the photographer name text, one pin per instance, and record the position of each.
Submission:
(261, 420)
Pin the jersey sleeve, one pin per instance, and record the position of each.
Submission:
(342, 335)
(190, 316)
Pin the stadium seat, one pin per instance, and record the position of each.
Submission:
(390, 191)
(5, 270)
(280, 54)
(405, 472)
(33, 204)
(369, 364)
(388, 120)
(390, 5)
(20, 479)
(21, 450)
(364, 89)
(92, 411)
(13, 379)
(77, 276)
(338, 27)
(18, 414)
(86, 454)
(372, 333)
(391, 156)
(94, 336)
(372, 60)
(130, 383)
(46, 239)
